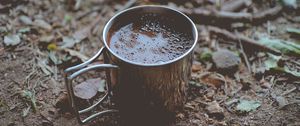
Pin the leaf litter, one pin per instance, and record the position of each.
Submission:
(76, 31)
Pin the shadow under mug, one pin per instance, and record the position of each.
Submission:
(145, 94)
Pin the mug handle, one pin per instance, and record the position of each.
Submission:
(80, 69)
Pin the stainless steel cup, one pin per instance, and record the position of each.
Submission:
(141, 91)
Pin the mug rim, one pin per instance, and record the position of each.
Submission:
(109, 23)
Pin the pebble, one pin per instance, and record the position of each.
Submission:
(214, 110)
(226, 61)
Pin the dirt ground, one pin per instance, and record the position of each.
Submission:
(32, 91)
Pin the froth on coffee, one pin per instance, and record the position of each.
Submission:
(149, 38)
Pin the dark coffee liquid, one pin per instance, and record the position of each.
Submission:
(149, 39)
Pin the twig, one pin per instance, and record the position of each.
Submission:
(202, 102)
(288, 91)
(127, 5)
(1, 50)
(235, 92)
(245, 56)
(291, 60)
(235, 5)
(267, 13)
(225, 83)
(98, 8)
(239, 37)
(229, 103)
(77, 4)
(223, 16)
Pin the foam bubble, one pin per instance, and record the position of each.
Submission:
(150, 41)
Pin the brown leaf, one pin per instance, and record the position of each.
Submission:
(62, 102)
(265, 84)
(88, 88)
(196, 66)
(82, 34)
(85, 32)
(212, 80)
(77, 54)
(42, 24)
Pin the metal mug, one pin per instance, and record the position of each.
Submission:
(137, 87)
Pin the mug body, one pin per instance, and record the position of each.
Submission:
(149, 94)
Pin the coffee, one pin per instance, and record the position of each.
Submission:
(149, 39)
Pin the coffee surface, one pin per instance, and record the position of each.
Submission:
(149, 39)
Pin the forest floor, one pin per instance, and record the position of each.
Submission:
(41, 38)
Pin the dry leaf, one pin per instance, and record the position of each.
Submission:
(68, 42)
(44, 67)
(26, 20)
(89, 88)
(82, 57)
(212, 80)
(47, 39)
(12, 40)
(281, 101)
(42, 24)
(196, 66)
(82, 34)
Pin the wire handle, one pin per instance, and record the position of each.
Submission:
(80, 69)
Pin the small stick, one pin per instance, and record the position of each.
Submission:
(1, 50)
(288, 91)
(235, 5)
(239, 37)
(222, 16)
(77, 4)
(245, 56)
(88, 12)
(267, 13)
(127, 5)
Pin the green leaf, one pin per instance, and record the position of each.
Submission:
(206, 55)
(272, 64)
(272, 61)
(67, 18)
(25, 112)
(289, 3)
(248, 105)
(294, 73)
(285, 47)
(24, 30)
(29, 96)
(293, 30)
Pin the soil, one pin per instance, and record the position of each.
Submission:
(36, 65)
